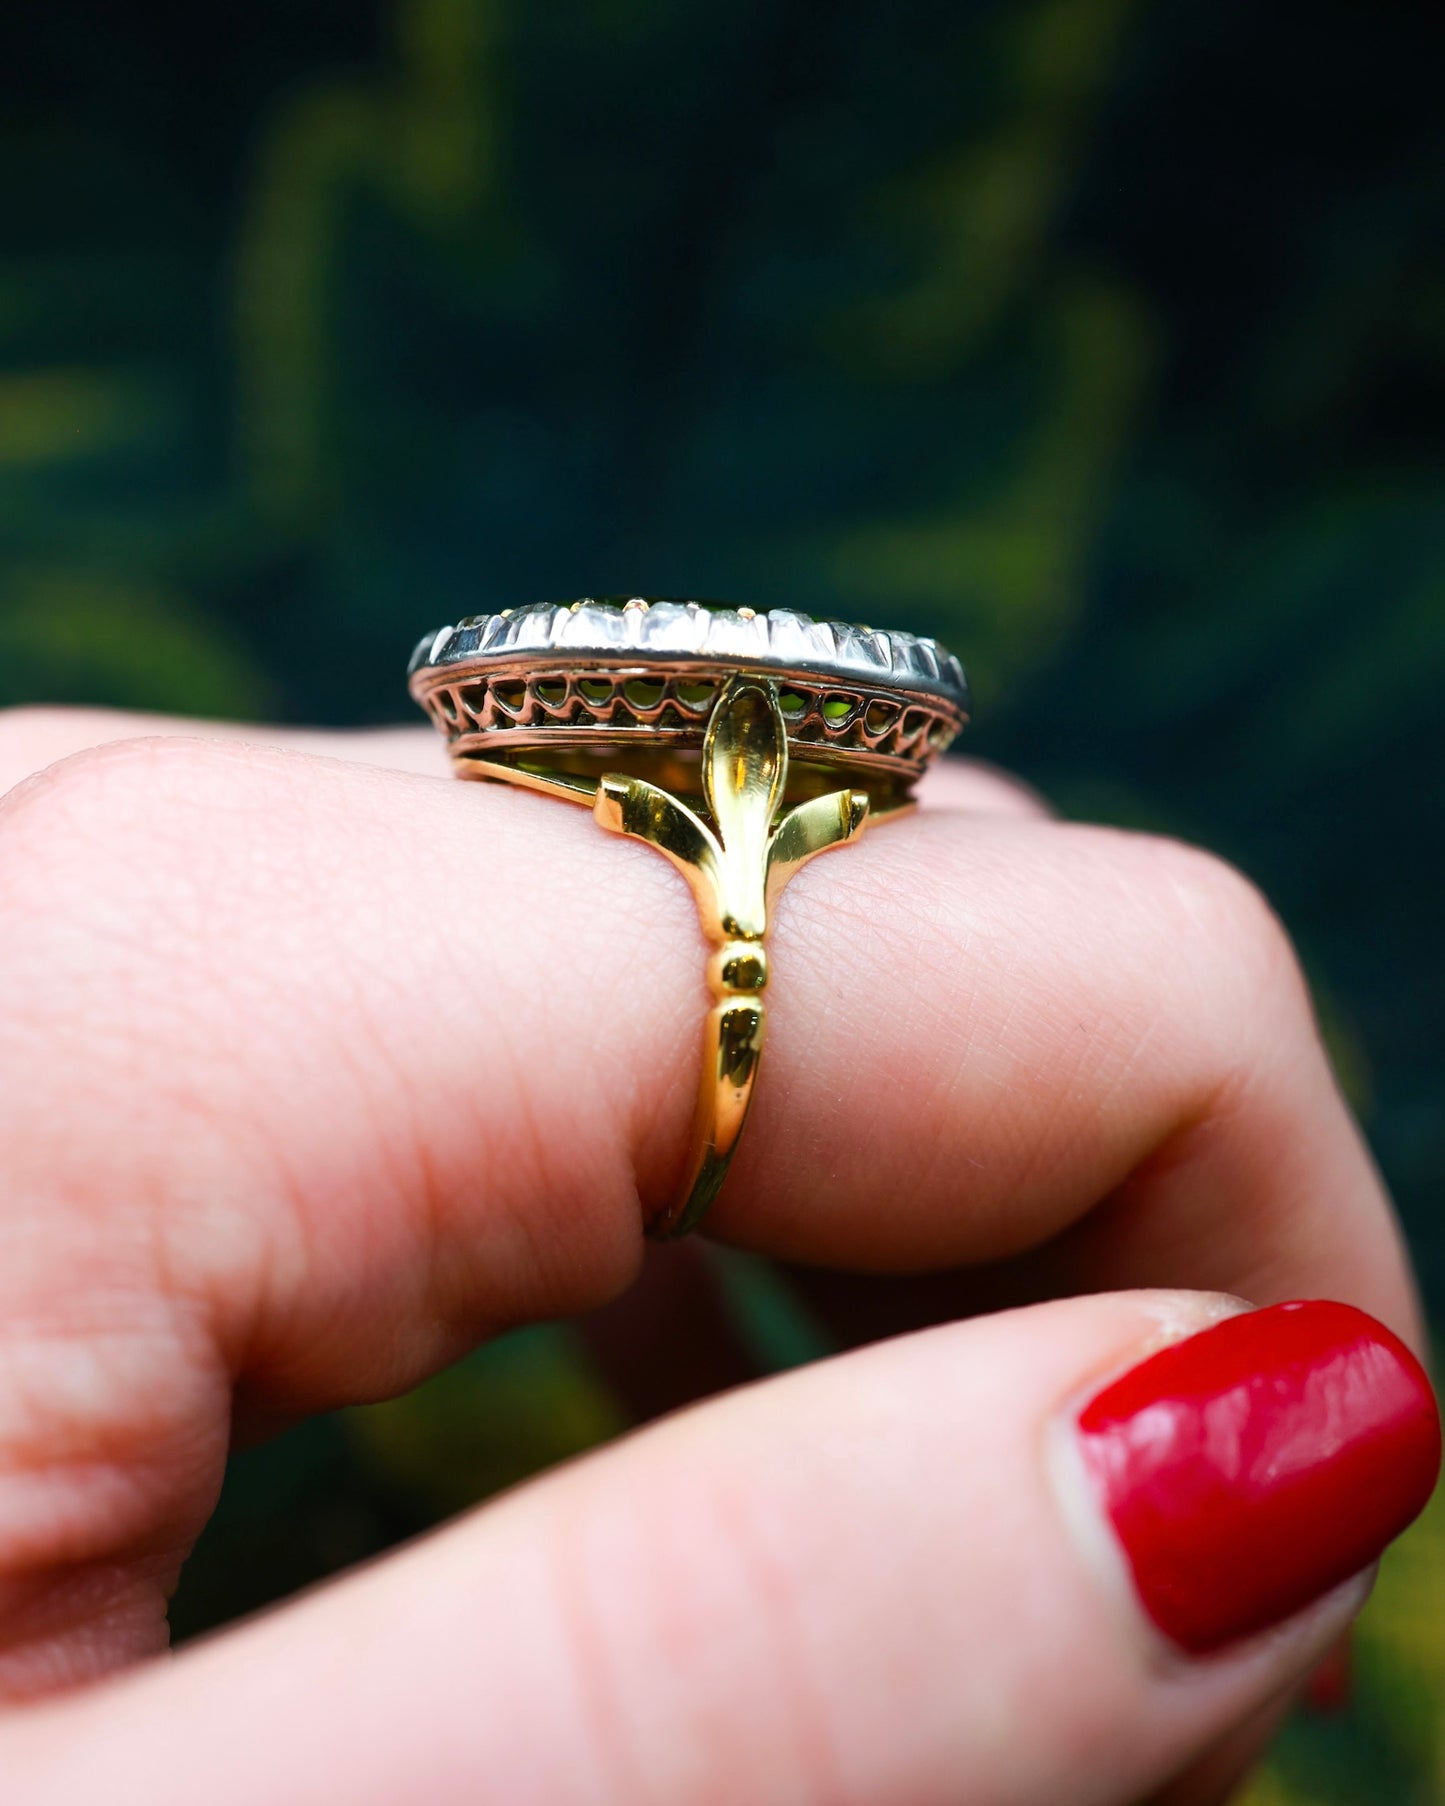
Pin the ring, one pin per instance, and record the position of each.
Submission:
(738, 743)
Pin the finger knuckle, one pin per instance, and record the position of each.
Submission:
(110, 810)
(107, 943)
(90, 782)
(1225, 927)
(1228, 905)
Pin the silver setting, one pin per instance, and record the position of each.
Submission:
(638, 630)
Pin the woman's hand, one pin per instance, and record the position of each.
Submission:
(317, 1070)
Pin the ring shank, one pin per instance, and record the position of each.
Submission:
(732, 1048)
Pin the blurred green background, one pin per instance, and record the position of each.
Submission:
(1104, 338)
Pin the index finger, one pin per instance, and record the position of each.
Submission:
(316, 1074)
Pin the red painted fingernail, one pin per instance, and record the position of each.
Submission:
(1256, 1465)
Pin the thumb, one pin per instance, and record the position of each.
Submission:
(1051, 1555)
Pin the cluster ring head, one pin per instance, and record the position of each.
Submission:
(602, 674)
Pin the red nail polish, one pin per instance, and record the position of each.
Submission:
(1256, 1465)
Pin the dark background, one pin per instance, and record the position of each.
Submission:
(1104, 340)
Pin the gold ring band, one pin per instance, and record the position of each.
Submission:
(717, 736)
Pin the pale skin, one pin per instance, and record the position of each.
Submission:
(286, 1123)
